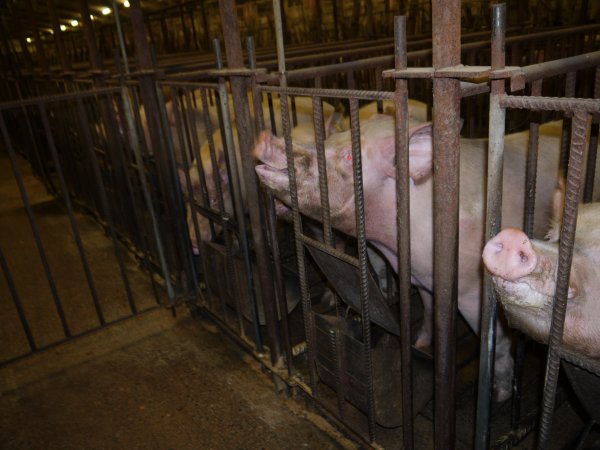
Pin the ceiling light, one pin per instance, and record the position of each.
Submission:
(126, 4)
(29, 40)
(92, 17)
(74, 23)
(63, 28)
(106, 11)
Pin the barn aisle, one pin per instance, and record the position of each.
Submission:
(152, 382)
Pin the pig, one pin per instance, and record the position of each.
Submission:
(378, 165)
(524, 276)
(303, 133)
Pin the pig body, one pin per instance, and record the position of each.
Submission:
(524, 276)
(377, 144)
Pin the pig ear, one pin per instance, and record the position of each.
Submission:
(333, 124)
(420, 144)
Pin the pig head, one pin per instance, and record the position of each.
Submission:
(524, 276)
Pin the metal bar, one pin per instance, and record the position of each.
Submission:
(497, 123)
(60, 45)
(403, 226)
(446, 143)
(37, 38)
(570, 81)
(88, 30)
(359, 203)
(238, 205)
(72, 221)
(104, 203)
(34, 227)
(57, 98)
(593, 147)
(122, 47)
(244, 130)
(134, 142)
(17, 301)
(565, 257)
(551, 104)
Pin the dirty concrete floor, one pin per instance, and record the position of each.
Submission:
(153, 382)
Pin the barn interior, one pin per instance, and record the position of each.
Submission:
(156, 294)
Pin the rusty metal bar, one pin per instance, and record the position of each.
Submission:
(88, 30)
(122, 47)
(565, 257)
(570, 81)
(359, 204)
(403, 226)
(586, 105)
(593, 147)
(497, 122)
(446, 142)
(244, 129)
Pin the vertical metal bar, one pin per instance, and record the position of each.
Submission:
(307, 313)
(120, 36)
(34, 227)
(60, 45)
(570, 81)
(230, 150)
(37, 38)
(403, 226)
(532, 156)
(73, 223)
(593, 147)
(104, 203)
(272, 224)
(497, 122)
(88, 29)
(244, 129)
(139, 162)
(446, 144)
(17, 301)
(565, 257)
(363, 263)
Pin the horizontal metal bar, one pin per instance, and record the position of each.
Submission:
(584, 362)
(329, 93)
(187, 84)
(58, 98)
(548, 69)
(550, 103)
(329, 250)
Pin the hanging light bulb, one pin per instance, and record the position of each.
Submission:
(106, 11)
(74, 23)
(126, 4)
(63, 28)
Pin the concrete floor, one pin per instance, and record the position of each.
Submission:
(152, 382)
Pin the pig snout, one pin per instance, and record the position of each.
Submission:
(510, 255)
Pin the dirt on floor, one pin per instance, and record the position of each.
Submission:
(152, 382)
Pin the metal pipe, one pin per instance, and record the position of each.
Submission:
(245, 138)
(60, 45)
(34, 227)
(17, 301)
(37, 38)
(88, 29)
(73, 223)
(403, 226)
(446, 143)
(497, 123)
(124, 58)
(565, 258)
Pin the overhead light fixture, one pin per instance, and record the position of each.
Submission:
(92, 17)
(126, 4)
(29, 40)
(63, 28)
(106, 11)
(74, 23)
